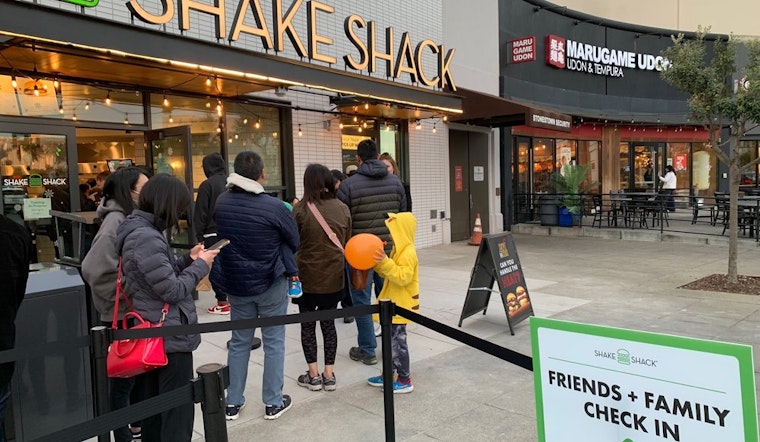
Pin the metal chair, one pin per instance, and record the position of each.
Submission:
(698, 205)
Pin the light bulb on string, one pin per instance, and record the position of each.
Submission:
(445, 118)
(434, 129)
(364, 124)
(74, 117)
(60, 109)
(166, 101)
(387, 127)
(126, 118)
(208, 81)
(340, 126)
(366, 106)
(418, 126)
(56, 84)
(87, 106)
(36, 90)
(359, 129)
(300, 132)
(208, 104)
(14, 83)
(108, 98)
(258, 124)
(356, 118)
(237, 136)
(245, 120)
(171, 118)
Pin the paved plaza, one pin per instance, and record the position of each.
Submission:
(463, 394)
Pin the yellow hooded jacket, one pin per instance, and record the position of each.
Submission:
(401, 270)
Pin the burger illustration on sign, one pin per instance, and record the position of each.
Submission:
(522, 296)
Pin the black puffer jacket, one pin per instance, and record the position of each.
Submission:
(371, 194)
(152, 277)
(215, 169)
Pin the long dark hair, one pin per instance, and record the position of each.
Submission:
(318, 183)
(669, 168)
(119, 186)
(167, 198)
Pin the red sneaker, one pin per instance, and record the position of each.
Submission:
(220, 308)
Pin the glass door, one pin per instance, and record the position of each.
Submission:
(170, 153)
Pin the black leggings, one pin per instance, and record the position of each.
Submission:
(309, 330)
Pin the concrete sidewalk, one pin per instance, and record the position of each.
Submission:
(463, 394)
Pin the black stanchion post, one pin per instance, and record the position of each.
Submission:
(386, 317)
(99, 349)
(215, 379)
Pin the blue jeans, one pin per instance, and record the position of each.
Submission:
(273, 302)
(366, 338)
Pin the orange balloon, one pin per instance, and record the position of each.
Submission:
(360, 250)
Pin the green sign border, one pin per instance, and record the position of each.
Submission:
(85, 3)
(742, 353)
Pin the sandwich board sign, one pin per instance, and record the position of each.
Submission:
(497, 261)
(608, 384)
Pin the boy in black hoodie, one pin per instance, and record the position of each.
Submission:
(215, 169)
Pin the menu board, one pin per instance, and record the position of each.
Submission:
(497, 261)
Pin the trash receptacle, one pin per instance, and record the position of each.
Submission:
(548, 209)
(53, 391)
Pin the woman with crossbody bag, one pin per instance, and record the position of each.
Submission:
(324, 225)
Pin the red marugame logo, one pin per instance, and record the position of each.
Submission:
(555, 51)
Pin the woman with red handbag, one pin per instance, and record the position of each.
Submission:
(99, 269)
(153, 277)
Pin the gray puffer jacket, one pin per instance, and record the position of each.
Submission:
(152, 277)
(370, 195)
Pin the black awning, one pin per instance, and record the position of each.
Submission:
(481, 109)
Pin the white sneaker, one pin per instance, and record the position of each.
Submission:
(378, 330)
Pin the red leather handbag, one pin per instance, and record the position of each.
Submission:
(129, 357)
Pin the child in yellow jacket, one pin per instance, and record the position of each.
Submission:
(402, 286)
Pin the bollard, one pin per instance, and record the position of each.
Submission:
(215, 379)
(386, 317)
(99, 349)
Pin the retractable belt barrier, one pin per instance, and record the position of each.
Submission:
(193, 392)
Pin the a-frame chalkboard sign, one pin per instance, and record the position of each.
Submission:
(497, 261)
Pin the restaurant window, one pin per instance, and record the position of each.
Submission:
(543, 164)
(678, 157)
(748, 152)
(34, 176)
(589, 152)
(624, 166)
(202, 117)
(567, 151)
(703, 170)
(256, 128)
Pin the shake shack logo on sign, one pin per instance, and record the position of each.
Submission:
(562, 53)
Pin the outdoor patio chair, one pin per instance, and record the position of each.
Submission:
(699, 208)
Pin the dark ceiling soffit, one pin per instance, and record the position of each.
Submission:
(482, 109)
(34, 20)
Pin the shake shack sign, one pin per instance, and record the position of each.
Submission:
(274, 24)
(562, 53)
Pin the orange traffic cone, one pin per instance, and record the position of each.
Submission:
(477, 232)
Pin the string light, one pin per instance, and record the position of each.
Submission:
(356, 119)
(274, 134)
(55, 83)
(300, 132)
(126, 118)
(434, 129)
(74, 117)
(418, 126)
(208, 81)
(364, 124)
(60, 109)
(445, 118)
(14, 83)
(387, 127)
(236, 136)
(258, 124)
(366, 105)
(36, 90)
(108, 98)
(171, 118)
(166, 101)
(87, 106)
(208, 104)
(340, 126)
(245, 120)
(360, 129)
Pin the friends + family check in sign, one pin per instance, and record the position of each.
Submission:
(607, 384)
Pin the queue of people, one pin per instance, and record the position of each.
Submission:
(274, 257)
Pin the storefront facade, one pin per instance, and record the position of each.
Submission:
(88, 85)
(609, 108)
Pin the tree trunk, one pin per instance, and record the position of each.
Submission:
(733, 212)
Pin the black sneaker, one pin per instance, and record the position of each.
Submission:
(274, 411)
(233, 411)
(357, 354)
(312, 383)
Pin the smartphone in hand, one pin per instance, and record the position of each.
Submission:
(219, 244)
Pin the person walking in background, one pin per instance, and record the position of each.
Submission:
(322, 269)
(370, 195)
(669, 187)
(252, 273)
(339, 177)
(15, 257)
(402, 287)
(153, 278)
(392, 166)
(100, 267)
(215, 169)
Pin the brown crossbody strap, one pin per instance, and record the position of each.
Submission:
(330, 234)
